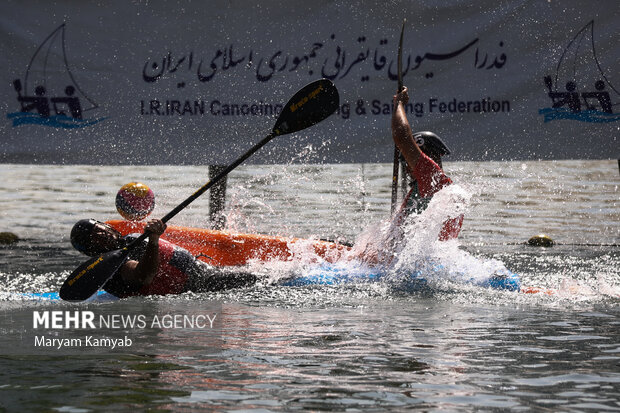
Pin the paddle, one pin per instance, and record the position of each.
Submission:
(396, 165)
(309, 106)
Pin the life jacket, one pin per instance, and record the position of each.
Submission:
(414, 202)
(173, 272)
(431, 180)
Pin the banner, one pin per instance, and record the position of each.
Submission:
(182, 82)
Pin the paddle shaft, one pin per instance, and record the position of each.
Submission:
(216, 179)
(395, 174)
(320, 98)
(400, 57)
(208, 185)
(397, 156)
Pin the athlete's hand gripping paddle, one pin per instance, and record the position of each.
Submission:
(397, 156)
(309, 106)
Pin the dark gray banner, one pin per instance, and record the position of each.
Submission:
(193, 83)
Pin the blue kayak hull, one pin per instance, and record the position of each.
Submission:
(335, 275)
(101, 296)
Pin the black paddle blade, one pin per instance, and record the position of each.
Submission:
(313, 103)
(89, 277)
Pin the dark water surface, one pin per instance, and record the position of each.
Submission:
(366, 347)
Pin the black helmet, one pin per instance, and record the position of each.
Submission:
(430, 143)
(81, 235)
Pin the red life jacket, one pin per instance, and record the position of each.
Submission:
(172, 274)
(171, 278)
(431, 179)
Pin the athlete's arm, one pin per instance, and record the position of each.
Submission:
(140, 273)
(401, 131)
(429, 176)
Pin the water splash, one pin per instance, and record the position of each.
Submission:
(406, 257)
(279, 201)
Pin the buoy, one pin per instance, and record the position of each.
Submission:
(541, 240)
(7, 238)
(135, 201)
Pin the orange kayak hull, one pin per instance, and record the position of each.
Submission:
(224, 248)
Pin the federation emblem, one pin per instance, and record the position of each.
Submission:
(49, 94)
(580, 90)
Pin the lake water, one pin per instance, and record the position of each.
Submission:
(359, 347)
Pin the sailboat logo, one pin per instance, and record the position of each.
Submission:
(580, 89)
(49, 94)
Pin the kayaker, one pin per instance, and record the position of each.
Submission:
(422, 152)
(157, 267)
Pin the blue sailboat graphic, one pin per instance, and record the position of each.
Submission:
(49, 71)
(577, 91)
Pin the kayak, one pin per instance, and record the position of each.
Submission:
(100, 297)
(222, 248)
